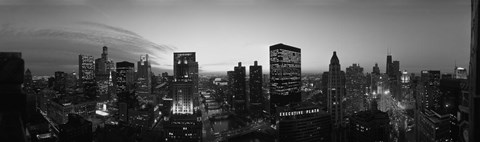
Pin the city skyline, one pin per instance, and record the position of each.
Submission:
(360, 32)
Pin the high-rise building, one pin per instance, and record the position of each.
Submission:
(256, 92)
(303, 122)
(389, 65)
(460, 73)
(27, 80)
(376, 69)
(336, 96)
(125, 76)
(429, 92)
(144, 76)
(395, 70)
(285, 76)
(325, 86)
(101, 63)
(71, 82)
(474, 78)
(231, 79)
(432, 77)
(355, 89)
(239, 89)
(60, 81)
(59, 107)
(182, 98)
(369, 126)
(433, 127)
(86, 74)
(185, 122)
(185, 68)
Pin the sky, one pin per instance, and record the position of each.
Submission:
(421, 34)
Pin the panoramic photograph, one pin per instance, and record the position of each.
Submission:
(239, 71)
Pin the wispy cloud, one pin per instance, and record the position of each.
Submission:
(125, 42)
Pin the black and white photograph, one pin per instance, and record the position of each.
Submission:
(239, 71)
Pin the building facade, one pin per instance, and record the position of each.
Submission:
(256, 91)
(285, 76)
(335, 97)
(303, 123)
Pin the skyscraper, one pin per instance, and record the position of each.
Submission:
(101, 63)
(474, 132)
(60, 81)
(125, 76)
(460, 73)
(103, 75)
(231, 79)
(185, 69)
(144, 76)
(285, 75)
(389, 64)
(86, 72)
(376, 69)
(256, 93)
(185, 122)
(27, 80)
(430, 92)
(395, 70)
(355, 89)
(239, 89)
(336, 96)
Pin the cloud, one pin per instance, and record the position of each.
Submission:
(123, 44)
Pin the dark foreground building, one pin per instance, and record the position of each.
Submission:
(77, 129)
(303, 123)
(369, 126)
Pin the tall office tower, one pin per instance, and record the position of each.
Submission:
(389, 64)
(144, 76)
(325, 86)
(231, 80)
(125, 76)
(60, 81)
(376, 69)
(239, 89)
(303, 122)
(101, 63)
(28, 79)
(285, 76)
(185, 68)
(336, 95)
(429, 91)
(460, 73)
(103, 75)
(71, 82)
(182, 98)
(86, 74)
(355, 89)
(185, 122)
(256, 93)
(473, 75)
(395, 70)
